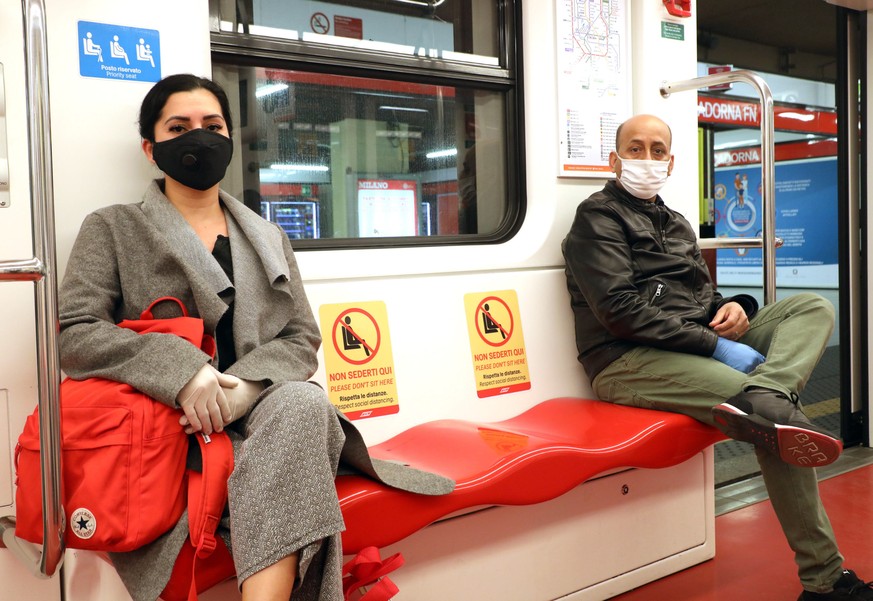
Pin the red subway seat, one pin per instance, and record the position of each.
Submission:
(533, 457)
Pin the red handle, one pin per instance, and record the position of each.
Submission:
(147, 314)
(678, 8)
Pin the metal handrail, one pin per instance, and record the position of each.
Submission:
(767, 242)
(23, 270)
(41, 270)
(721, 242)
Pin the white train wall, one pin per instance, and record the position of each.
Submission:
(98, 161)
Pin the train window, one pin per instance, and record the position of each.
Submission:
(352, 137)
(453, 30)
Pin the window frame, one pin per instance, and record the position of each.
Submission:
(250, 50)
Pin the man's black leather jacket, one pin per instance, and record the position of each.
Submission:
(636, 277)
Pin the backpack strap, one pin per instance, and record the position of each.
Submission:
(207, 495)
(368, 568)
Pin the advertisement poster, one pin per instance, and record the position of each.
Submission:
(358, 360)
(387, 208)
(497, 343)
(806, 220)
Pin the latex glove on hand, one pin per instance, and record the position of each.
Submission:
(204, 401)
(241, 398)
(737, 355)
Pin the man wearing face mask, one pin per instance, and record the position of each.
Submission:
(653, 331)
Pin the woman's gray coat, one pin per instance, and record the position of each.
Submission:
(124, 258)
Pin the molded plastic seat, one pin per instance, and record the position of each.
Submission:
(530, 458)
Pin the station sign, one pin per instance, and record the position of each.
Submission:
(784, 151)
(716, 69)
(741, 113)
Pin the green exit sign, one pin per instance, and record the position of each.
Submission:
(672, 31)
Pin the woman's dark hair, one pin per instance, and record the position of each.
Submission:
(157, 97)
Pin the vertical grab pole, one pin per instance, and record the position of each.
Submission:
(768, 179)
(41, 270)
(46, 290)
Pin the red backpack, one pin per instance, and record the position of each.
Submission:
(125, 481)
(124, 477)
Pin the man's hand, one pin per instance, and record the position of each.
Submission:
(737, 355)
(730, 321)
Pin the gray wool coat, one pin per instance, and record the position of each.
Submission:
(128, 255)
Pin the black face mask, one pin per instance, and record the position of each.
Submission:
(197, 159)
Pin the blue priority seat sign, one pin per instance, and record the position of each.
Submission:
(119, 52)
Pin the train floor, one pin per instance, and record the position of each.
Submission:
(753, 561)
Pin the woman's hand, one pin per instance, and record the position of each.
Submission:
(241, 398)
(204, 401)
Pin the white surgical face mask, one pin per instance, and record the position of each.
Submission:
(643, 179)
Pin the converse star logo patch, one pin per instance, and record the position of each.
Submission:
(83, 523)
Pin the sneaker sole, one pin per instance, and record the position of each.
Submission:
(792, 444)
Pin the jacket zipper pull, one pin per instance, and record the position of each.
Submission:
(658, 291)
(662, 217)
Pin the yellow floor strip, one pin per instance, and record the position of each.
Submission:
(822, 408)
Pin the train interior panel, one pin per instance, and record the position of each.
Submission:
(426, 160)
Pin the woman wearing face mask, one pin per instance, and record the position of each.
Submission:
(188, 239)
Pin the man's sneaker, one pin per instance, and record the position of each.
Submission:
(848, 588)
(769, 419)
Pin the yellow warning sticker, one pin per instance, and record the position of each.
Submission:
(358, 359)
(497, 342)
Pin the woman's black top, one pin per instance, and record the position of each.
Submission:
(224, 329)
